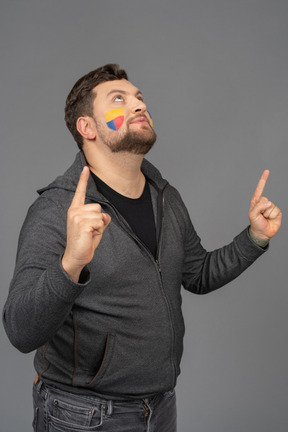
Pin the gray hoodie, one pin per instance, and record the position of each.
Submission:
(119, 331)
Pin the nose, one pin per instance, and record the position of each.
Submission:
(138, 106)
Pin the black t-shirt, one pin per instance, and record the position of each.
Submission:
(137, 212)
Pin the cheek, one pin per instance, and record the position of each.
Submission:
(114, 118)
(151, 121)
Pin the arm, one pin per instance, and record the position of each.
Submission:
(41, 294)
(206, 271)
(42, 291)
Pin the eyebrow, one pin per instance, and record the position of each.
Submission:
(123, 92)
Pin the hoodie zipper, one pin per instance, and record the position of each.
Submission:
(154, 259)
(128, 230)
(162, 287)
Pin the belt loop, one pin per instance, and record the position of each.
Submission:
(40, 390)
(110, 407)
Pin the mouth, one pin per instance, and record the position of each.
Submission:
(139, 120)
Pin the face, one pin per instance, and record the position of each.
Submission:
(121, 118)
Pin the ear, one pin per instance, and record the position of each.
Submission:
(86, 127)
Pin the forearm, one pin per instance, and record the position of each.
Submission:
(219, 267)
(38, 303)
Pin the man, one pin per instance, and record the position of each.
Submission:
(101, 259)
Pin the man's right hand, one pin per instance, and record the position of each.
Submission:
(85, 226)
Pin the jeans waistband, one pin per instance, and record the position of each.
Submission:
(44, 389)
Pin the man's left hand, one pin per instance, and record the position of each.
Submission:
(265, 217)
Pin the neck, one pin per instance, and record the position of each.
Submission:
(120, 171)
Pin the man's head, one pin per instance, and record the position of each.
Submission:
(104, 105)
(79, 102)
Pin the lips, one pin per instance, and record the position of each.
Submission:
(140, 120)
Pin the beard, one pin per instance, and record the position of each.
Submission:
(135, 142)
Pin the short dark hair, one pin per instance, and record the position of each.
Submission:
(79, 101)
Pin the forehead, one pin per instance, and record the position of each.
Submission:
(104, 89)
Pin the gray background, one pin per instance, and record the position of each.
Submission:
(214, 75)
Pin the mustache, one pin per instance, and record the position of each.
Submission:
(139, 116)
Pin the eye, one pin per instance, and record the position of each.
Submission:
(118, 98)
(140, 98)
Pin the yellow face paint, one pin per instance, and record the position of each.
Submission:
(114, 118)
(151, 121)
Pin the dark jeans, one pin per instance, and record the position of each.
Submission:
(59, 411)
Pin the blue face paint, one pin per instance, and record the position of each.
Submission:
(151, 121)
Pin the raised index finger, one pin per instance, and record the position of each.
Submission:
(80, 193)
(261, 185)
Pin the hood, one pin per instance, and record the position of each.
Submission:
(68, 181)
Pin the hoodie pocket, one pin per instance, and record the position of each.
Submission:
(106, 360)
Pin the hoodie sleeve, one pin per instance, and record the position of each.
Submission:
(205, 271)
(41, 294)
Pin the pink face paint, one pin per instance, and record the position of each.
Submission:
(114, 118)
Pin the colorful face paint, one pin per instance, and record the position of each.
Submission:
(114, 118)
(151, 121)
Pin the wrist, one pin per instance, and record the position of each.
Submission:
(72, 270)
(259, 241)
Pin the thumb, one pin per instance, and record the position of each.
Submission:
(106, 219)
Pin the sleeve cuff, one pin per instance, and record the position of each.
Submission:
(63, 286)
(248, 248)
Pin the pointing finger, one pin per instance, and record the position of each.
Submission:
(260, 186)
(80, 193)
